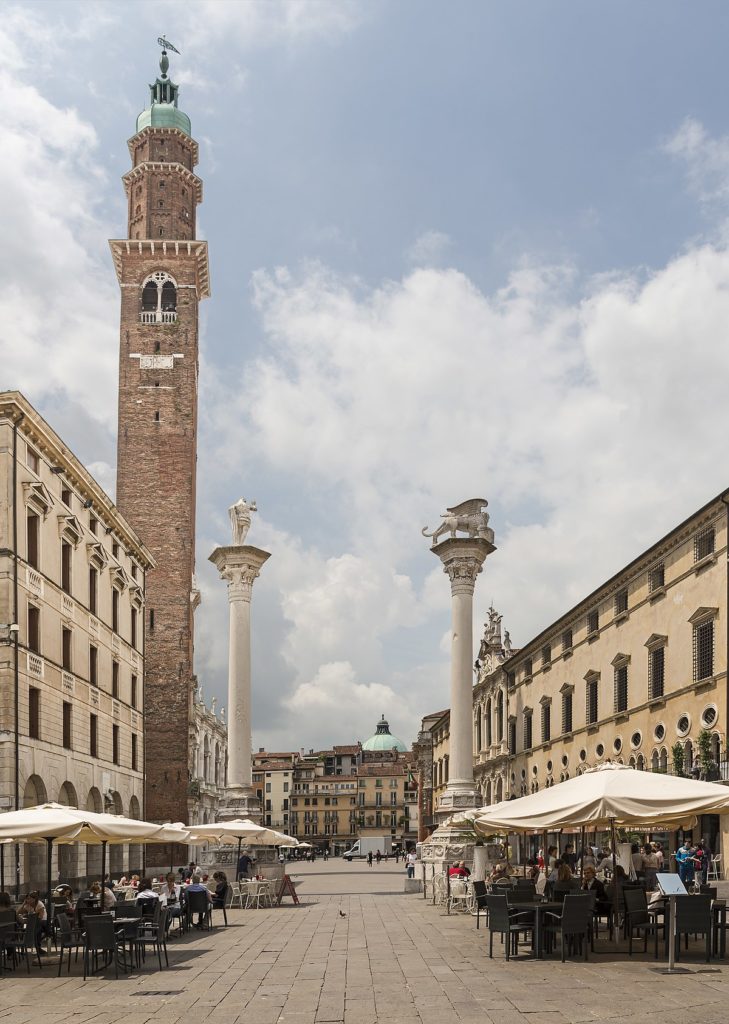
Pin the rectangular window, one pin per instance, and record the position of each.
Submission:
(34, 713)
(115, 680)
(285, 787)
(268, 787)
(528, 668)
(93, 665)
(704, 650)
(527, 732)
(621, 601)
(67, 724)
(93, 590)
(704, 544)
(546, 655)
(512, 736)
(93, 525)
(656, 668)
(134, 691)
(135, 766)
(393, 798)
(621, 688)
(378, 782)
(33, 537)
(511, 680)
(115, 609)
(115, 553)
(34, 629)
(546, 722)
(567, 640)
(66, 496)
(593, 621)
(93, 735)
(134, 628)
(656, 578)
(66, 649)
(566, 712)
(592, 710)
(32, 460)
(66, 559)
(115, 744)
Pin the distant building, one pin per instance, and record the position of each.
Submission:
(72, 598)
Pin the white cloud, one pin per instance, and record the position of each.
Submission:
(706, 159)
(429, 248)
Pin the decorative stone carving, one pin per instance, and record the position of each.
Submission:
(468, 517)
(240, 519)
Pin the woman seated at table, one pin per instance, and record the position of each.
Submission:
(221, 888)
(500, 873)
(171, 897)
(63, 899)
(105, 896)
(147, 898)
(560, 873)
(32, 905)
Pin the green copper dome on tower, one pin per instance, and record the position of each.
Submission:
(383, 739)
(162, 111)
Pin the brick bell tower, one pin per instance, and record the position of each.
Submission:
(163, 274)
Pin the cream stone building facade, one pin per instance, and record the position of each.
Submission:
(208, 760)
(72, 581)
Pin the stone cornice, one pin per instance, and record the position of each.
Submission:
(167, 248)
(156, 130)
(163, 165)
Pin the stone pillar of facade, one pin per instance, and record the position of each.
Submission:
(240, 565)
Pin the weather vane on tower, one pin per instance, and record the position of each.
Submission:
(164, 62)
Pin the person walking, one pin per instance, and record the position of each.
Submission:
(369, 859)
(410, 861)
(378, 857)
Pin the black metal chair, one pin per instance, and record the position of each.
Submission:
(480, 892)
(198, 903)
(693, 917)
(154, 935)
(509, 924)
(708, 890)
(573, 924)
(26, 942)
(637, 919)
(68, 938)
(102, 937)
(8, 947)
(222, 905)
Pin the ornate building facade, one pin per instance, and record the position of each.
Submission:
(163, 276)
(636, 673)
(72, 583)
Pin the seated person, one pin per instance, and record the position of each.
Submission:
(171, 897)
(6, 903)
(63, 900)
(197, 886)
(221, 888)
(500, 873)
(591, 883)
(106, 896)
(147, 898)
(32, 905)
(135, 882)
(465, 872)
(455, 870)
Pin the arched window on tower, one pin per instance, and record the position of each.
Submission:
(159, 299)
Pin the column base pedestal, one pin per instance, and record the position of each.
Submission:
(240, 802)
(456, 800)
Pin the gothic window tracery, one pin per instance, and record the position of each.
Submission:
(159, 299)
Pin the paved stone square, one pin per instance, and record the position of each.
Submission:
(391, 958)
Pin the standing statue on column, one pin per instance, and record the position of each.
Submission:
(240, 520)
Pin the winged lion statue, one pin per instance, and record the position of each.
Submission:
(468, 517)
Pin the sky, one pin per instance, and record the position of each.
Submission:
(457, 250)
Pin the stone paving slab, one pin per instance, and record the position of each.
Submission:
(391, 958)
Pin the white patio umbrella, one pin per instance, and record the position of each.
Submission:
(606, 796)
(240, 830)
(57, 823)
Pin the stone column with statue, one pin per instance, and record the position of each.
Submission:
(462, 558)
(240, 565)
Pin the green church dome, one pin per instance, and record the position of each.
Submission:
(383, 739)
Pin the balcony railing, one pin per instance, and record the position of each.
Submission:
(158, 316)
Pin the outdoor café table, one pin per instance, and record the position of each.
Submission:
(130, 925)
(539, 909)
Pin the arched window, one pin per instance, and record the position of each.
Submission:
(159, 299)
(500, 716)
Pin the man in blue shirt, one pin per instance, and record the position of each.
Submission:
(197, 886)
(244, 865)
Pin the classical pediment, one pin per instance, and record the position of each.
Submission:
(38, 498)
(656, 640)
(70, 529)
(97, 556)
(703, 614)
